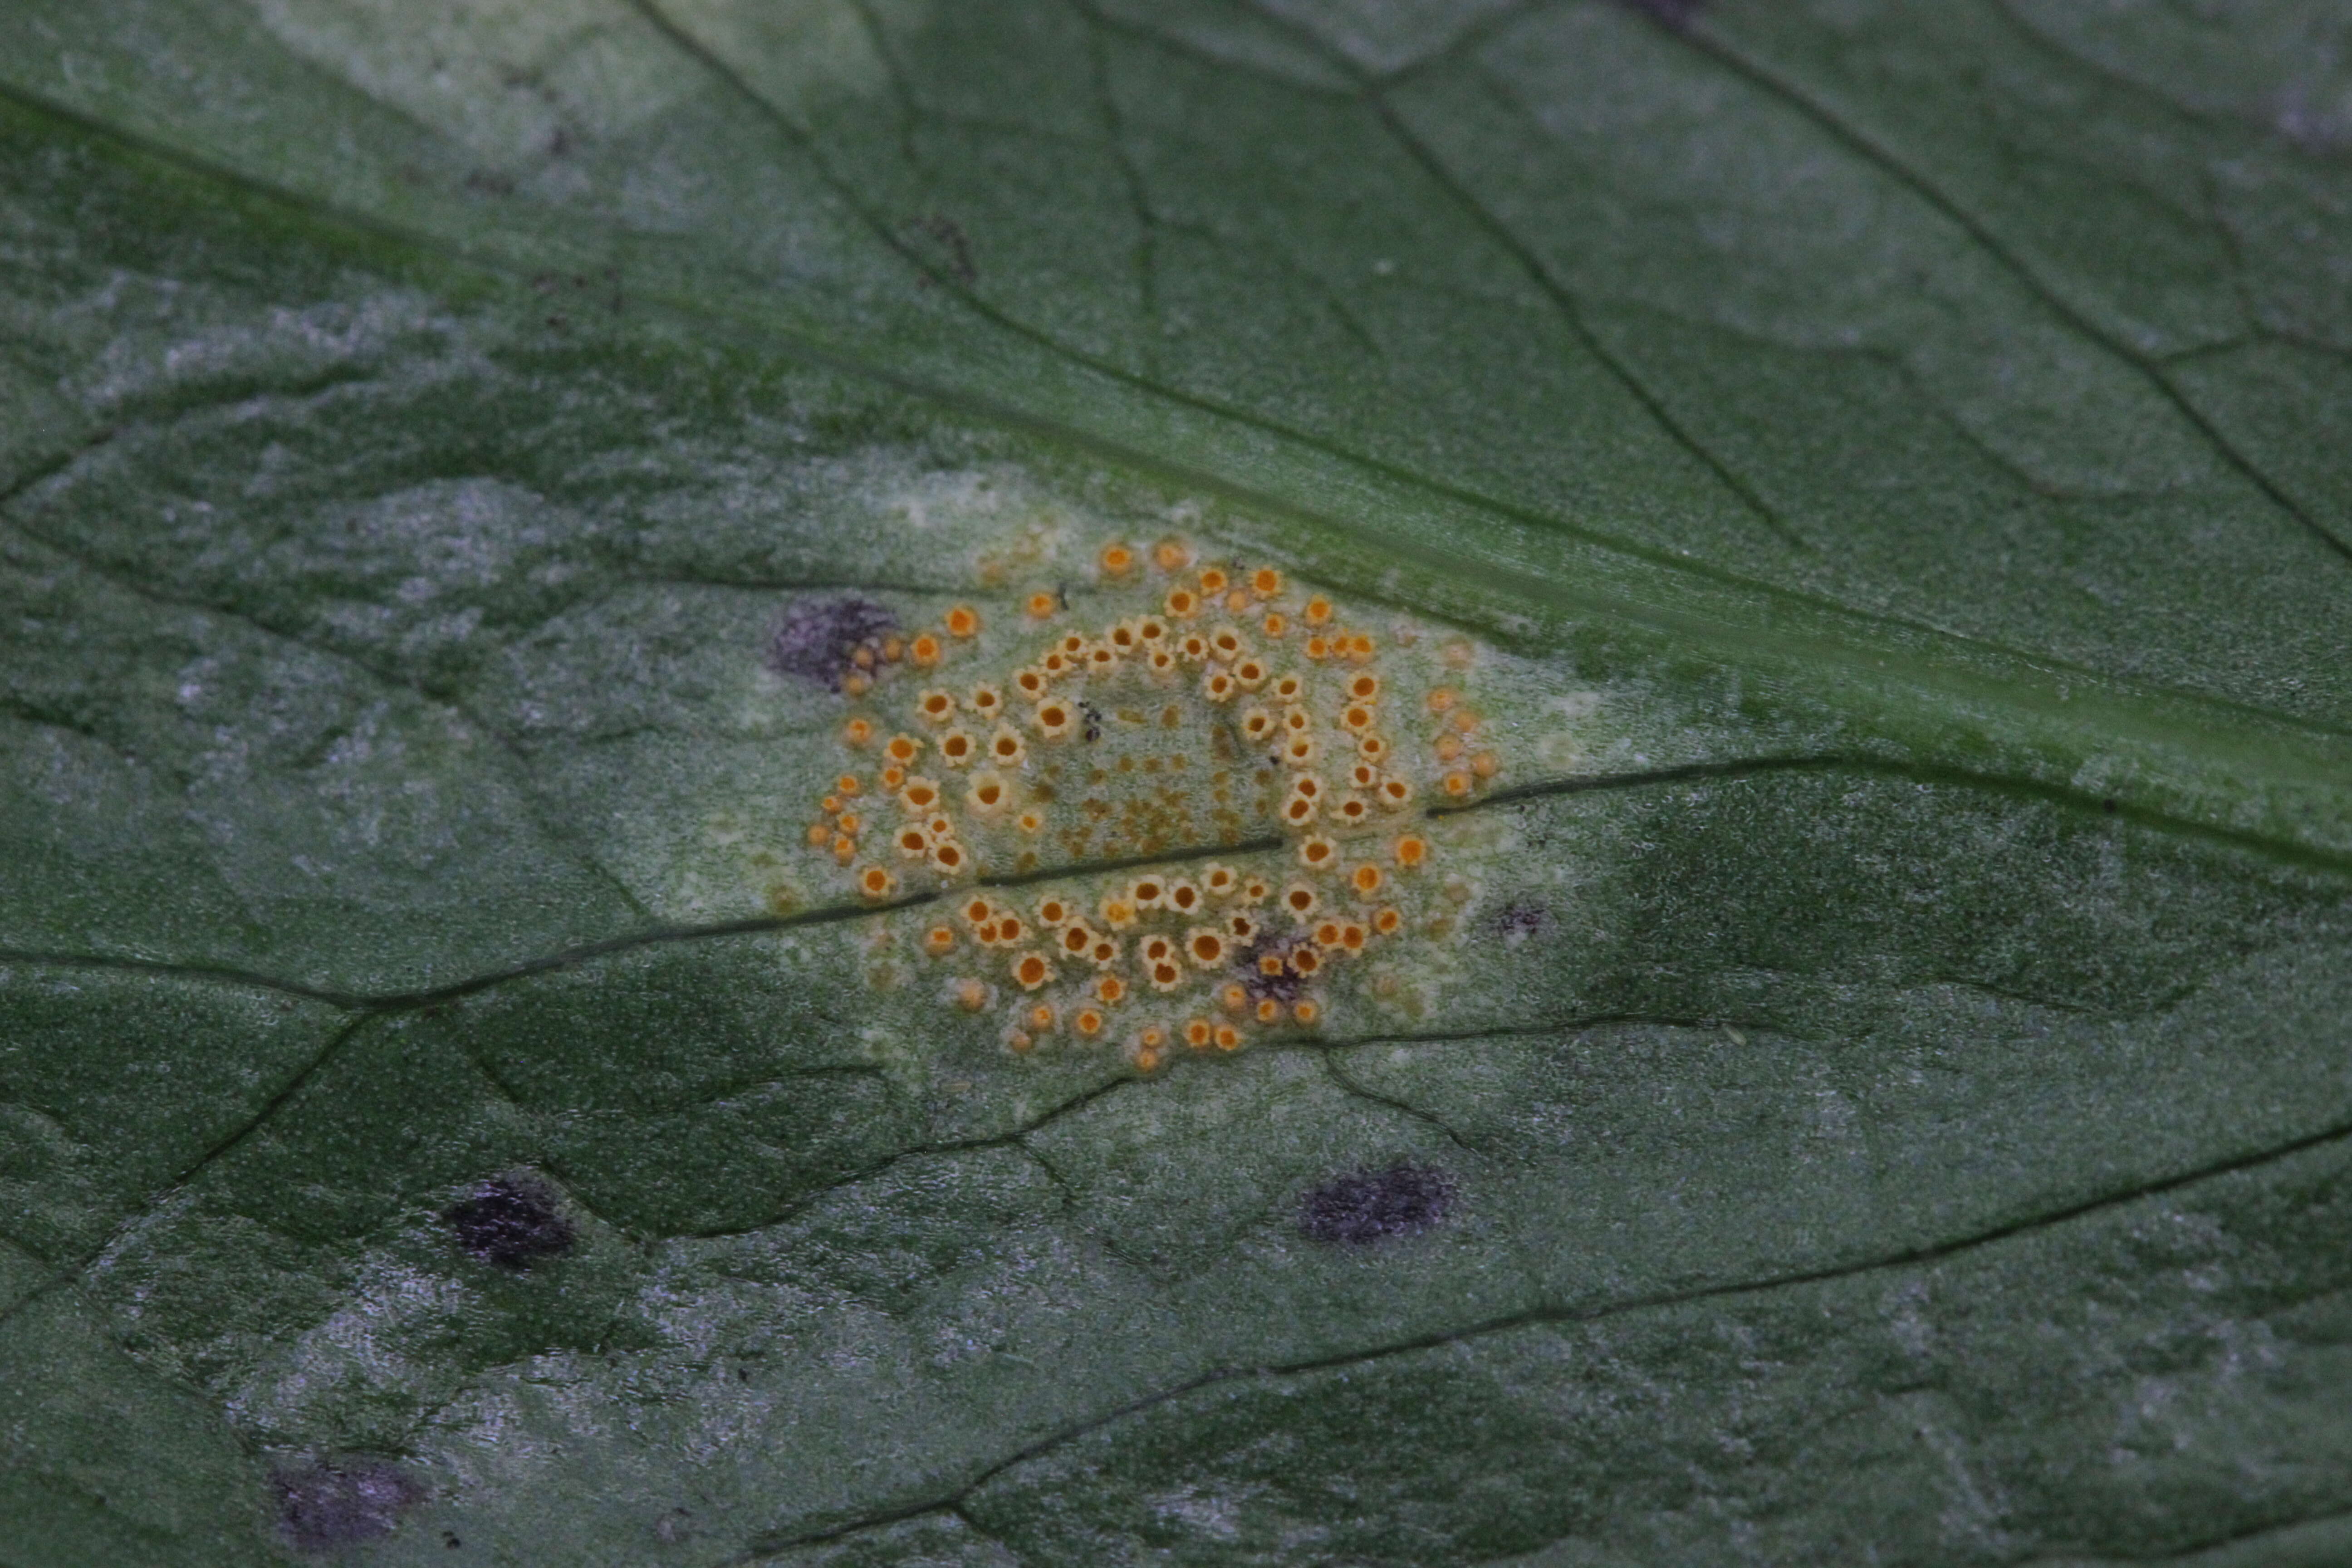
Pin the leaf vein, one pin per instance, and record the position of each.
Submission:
(962, 1496)
(1876, 151)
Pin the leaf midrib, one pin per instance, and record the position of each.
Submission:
(373, 1004)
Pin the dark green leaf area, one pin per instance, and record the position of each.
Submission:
(1199, 1187)
(300, 814)
(1830, 309)
(113, 1086)
(687, 1089)
(434, 500)
(817, 1206)
(1777, 299)
(1684, 897)
(1891, 1156)
(246, 1277)
(2157, 1376)
(105, 1463)
(2042, 1006)
(343, 595)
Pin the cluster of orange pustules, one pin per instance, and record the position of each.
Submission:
(1293, 684)
(1230, 947)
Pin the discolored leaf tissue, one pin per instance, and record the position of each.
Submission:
(1073, 782)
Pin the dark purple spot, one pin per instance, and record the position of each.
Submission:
(510, 1222)
(1285, 988)
(339, 1502)
(1366, 1206)
(820, 639)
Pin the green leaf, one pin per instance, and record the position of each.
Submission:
(1865, 1081)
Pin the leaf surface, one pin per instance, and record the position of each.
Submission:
(1865, 1081)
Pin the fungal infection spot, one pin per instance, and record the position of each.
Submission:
(330, 1507)
(1189, 721)
(832, 641)
(513, 1222)
(1362, 1207)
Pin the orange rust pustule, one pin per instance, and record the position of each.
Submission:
(1078, 743)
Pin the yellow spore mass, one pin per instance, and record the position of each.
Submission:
(1077, 752)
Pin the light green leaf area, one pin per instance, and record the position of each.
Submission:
(1869, 1072)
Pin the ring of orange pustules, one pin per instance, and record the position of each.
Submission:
(1161, 937)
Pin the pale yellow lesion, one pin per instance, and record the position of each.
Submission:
(1194, 705)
